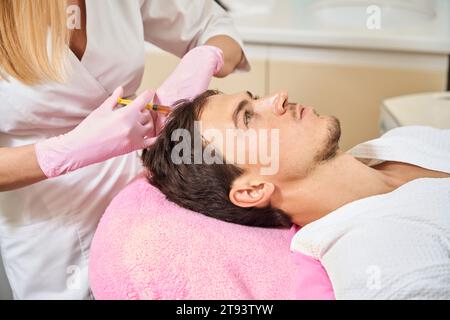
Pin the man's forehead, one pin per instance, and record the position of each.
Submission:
(224, 99)
(216, 104)
(217, 98)
(218, 111)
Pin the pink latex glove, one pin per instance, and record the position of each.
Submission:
(106, 133)
(190, 78)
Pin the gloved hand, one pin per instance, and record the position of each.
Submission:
(106, 133)
(190, 78)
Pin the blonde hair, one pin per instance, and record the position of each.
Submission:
(24, 27)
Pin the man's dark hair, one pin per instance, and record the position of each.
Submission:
(201, 187)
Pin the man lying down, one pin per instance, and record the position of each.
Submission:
(376, 217)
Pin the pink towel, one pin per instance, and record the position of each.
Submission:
(146, 247)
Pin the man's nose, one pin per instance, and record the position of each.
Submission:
(277, 102)
(280, 103)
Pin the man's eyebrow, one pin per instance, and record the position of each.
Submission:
(239, 108)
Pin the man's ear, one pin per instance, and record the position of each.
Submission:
(253, 195)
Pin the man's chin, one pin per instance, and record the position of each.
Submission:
(331, 144)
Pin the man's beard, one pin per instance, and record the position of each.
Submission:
(331, 146)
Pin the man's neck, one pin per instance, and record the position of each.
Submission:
(331, 185)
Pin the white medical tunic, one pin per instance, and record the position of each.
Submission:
(46, 228)
(394, 245)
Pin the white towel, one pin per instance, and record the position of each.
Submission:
(394, 245)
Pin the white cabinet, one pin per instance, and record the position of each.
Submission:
(425, 109)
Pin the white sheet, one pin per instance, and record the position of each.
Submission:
(395, 245)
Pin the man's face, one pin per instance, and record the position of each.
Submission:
(304, 138)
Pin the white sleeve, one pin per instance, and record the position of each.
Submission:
(177, 26)
(389, 261)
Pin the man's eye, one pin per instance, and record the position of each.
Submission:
(255, 97)
(247, 117)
